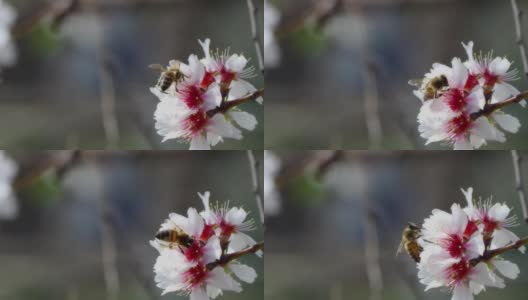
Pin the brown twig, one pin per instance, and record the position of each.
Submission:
(226, 106)
(490, 108)
(253, 11)
(254, 167)
(372, 243)
(107, 89)
(490, 254)
(519, 186)
(372, 116)
(108, 242)
(227, 258)
(517, 18)
(324, 164)
(372, 255)
(318, 14)
(54, 12)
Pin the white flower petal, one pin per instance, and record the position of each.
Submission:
(507, 122)
(506, 268)
(244, 119)
(244, 273)
(199, 142)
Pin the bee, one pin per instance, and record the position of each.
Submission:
(169, 74)
(175, 236)
(431, 87)
(409, 242)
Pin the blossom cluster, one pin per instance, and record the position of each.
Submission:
(8, 202)
(202, 268)
(271, 47)
(188, 109)
(454, 245)
(457, 101)
(8, 53)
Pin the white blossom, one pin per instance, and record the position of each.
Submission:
(8, 54)
(271, 47)
(188, 109)
(272, 204)
(454, 244)
(196, 268)
(8, 201)
(455, 114)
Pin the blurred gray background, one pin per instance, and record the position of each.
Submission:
(322, 77)
(53, 249)
(51, 98)
(316, 245)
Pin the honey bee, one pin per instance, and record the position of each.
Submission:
(174, 237)
(169, 74)
(431, 87)
(409, 242)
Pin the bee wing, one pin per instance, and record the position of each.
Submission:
(415, 82)
(400, 248)
(157, 67)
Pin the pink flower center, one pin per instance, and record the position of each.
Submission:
(471, 82)
(196, 122)
(227, 76)
(207, 232)
(207, 80)
(194, 251)
(196, 275)
(192, 96)
(470, 229)
(455, 245)
(459, 271)
(459, 125)
(489, 224)
(456, 99)
(489, 78)
(226, 229)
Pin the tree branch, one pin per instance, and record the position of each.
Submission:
(519, 186)
(324, 164)
(226, 106)
(108, 242)
(517, 18)
(108, 98)
(372, 116)
(372, 255)
(254, 166)
(490, 108)
(490, 254)
(253, 11)
(227, 258)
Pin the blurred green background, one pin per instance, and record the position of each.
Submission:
(53, 249)
(316, 244)
(50, 99)
(322, 77)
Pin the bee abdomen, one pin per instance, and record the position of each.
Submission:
(164, 235)
(414, 251)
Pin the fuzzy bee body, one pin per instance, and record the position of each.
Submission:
(432, 87)
(169, 75)
(175, 237)
(409, 242)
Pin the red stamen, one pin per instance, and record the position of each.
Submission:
(194, 251)
(471, 82)
(207, 80)
(207, 232)
(196, 275)
(196, 122)
(460, 125)
(456, 99)
(459, 271)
